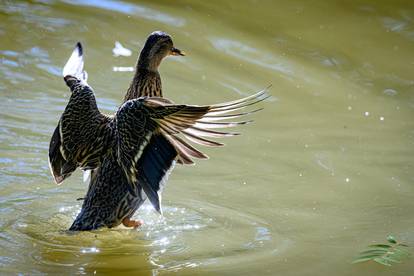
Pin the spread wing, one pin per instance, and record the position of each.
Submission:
(153, 133)
(82, 134)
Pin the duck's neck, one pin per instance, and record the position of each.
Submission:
(145, 83)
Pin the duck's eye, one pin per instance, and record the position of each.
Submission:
(166, 40)
(165, 45)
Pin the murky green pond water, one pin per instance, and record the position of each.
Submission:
(326, 169)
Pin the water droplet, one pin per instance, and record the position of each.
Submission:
(90, 250)
(122, 69)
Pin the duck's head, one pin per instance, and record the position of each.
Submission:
(158, 46)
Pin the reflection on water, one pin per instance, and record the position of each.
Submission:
(325, 169)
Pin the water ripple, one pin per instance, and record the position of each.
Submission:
(253, 55)
(131, 9)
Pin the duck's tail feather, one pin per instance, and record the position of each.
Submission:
(74, 65)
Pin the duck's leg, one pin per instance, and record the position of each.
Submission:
(127, 222)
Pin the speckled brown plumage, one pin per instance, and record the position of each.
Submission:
(131, 153)
(145, 83)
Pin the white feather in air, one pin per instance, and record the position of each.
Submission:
(120, 50)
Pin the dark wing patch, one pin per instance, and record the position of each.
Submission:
(154, 166)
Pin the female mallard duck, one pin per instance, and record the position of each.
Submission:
(132, 152)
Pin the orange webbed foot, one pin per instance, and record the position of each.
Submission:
(132, 223)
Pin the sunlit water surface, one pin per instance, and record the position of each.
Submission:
(326, 169)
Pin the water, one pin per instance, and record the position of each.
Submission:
(325, 170)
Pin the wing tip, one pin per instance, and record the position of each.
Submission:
(157, 202)
(57, 178)
(159, 211)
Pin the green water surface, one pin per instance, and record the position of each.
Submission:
(326, 169)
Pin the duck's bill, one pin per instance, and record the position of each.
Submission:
(177, 52)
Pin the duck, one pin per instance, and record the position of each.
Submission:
(131, 153)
